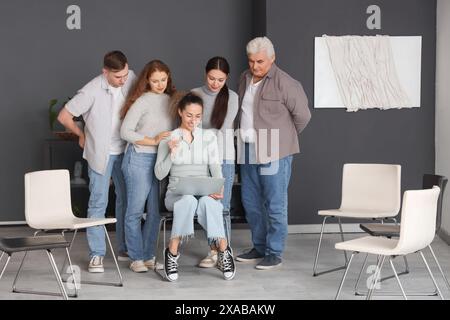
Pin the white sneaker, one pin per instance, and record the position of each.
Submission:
(96, 265)
(123, 256)
(138, 266)
(210, 261)
(151, 264)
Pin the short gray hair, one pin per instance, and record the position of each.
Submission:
(260, 44)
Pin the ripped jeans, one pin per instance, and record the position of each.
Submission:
(209, 214)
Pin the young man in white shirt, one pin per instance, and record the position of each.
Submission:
(99, 102)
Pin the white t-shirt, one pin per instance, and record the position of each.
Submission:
(117, 145)
(247, 127)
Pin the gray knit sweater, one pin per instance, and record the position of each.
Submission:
(147, 117)
(225, 139)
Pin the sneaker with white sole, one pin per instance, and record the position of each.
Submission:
(96, 265)
(225, 263)
(151, 264)
(123, 256)
(138, 266)
(210, 261)
(250, 256)
(270, 261)
(170, 265)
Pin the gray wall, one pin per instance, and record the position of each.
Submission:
(335, 137)
(42, 59)
(442, 106)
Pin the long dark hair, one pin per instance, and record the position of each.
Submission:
(142, 85)
(221, 103)
(187, 99)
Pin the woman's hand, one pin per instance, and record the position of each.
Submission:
(161, 136)
(217, 196)
(173, 145)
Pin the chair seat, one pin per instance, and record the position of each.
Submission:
(360, 213)
(381, 230)
(372, 245)
(75, 223)
(11, 245)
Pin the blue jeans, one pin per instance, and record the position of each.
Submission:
(265, 200)
(98, 201)
(228, 171)
(142, 185)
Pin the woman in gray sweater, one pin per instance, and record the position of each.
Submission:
(146, 122)
(194, 152)
(220, 107)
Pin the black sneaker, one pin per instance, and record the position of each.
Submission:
(170, 265)
(269, 262)
(225, 263)
(252, 255)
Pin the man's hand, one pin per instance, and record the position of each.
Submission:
(81, 141)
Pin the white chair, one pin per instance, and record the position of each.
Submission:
(48, 208)
(369, 191)
(416, 233)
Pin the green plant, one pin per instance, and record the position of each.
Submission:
(53, 113)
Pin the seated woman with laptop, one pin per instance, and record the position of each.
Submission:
(191, 152)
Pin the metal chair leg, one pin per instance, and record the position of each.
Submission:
(398, 279)
(376, 276)
(344, 276)
(316, 260)
(70, 249)
(6, 264)
(163, 222)
(14, 289)
(57, 275)
(359, 276)
(342, 238)
(439, 267)
(431, 275)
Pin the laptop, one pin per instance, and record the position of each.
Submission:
(197, 186)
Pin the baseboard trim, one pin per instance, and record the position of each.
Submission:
(329, 228)
(444, 235)
(11, 223)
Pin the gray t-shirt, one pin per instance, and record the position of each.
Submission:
(148, 116)
(225, 136)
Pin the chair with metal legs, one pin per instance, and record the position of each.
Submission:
(393, 231)
(416, 233)
(167, 215)
(47, 243)
(48, 208)
(369, 191)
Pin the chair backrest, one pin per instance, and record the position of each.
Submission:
(430, 180)
(375, 187)
(163, 184)
(418, 226)
(47, 197)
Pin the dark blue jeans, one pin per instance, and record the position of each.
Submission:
(264, 193)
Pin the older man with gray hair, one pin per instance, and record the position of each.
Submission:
(273, 112)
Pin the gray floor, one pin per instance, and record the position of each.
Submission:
(292, 281)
